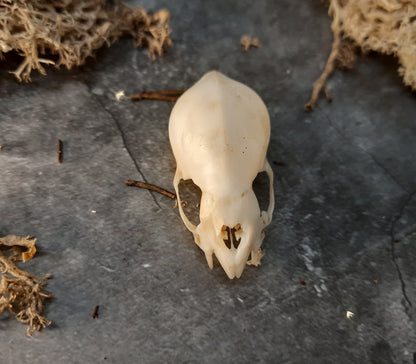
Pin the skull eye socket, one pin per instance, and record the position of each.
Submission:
(191, 199)
(261, 185)
(231, 236)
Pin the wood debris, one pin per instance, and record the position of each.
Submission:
(60, 151)
(95, 313)
(22, 293)
(163, 95)
(151, 187)
(246, 41)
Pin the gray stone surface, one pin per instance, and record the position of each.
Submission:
(344, 222)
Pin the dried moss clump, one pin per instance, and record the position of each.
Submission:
(21, 293)
(66, 32)
(384, 26)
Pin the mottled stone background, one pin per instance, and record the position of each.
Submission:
(344, 223)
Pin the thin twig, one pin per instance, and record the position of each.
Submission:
(60, 151)
(172, 92)
(95, 313)
(151, 187)
(320, 83)
(164, 95)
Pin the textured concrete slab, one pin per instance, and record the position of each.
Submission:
(342, 239)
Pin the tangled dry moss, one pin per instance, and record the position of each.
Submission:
(21, 293)
(384, 26)
(66, 32)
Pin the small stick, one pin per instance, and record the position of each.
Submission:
(151, 187)
(320, 83)
(172, 92)
(95, 313)
(164, 95)
(60, 151)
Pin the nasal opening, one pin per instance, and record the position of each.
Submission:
(231, 236)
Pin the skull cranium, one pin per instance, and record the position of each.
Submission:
(219, 130)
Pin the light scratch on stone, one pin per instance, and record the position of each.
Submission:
(107, 269)
(123, 139)
(406, 302)
(385, 170)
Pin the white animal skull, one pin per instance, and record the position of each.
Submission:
(219, 130)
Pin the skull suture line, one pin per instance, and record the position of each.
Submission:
(219, 130)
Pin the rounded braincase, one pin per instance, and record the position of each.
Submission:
(219, 131)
